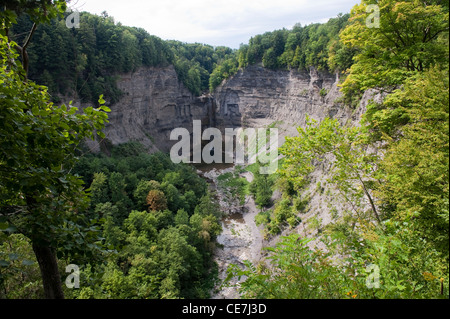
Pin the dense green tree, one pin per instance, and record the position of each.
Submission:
(39, 12)
(411, 37)
(39, 194)
(416, 166)
(223, 71)
(99, 189)
(208, 206)
(142, 190)
(116, 184)
(270, 59)
(191, 201)
(174, 199)
(181, 218)
(261, 189)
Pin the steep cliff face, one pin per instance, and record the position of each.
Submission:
(153, 104)
(256, 97)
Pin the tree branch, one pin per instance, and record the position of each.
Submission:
(23, 50)
(370, 200)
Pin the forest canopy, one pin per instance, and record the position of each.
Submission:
(85, 61)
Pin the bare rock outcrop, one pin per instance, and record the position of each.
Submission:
(155, 101)
(256, 95)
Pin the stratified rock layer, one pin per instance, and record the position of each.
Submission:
(155, 102)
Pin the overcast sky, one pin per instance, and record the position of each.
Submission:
(215, 22)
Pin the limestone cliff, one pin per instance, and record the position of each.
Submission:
(155, 102)
(257, 97)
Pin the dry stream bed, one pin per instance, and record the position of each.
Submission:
(240, 239)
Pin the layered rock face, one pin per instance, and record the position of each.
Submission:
(257, 97)
(155, 102)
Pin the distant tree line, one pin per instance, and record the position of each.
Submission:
(85, 61)
(194, 63)
(315, 45)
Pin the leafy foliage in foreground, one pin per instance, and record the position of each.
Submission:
(411, 37)
(150, 251)
(296, 271)
(392, 171)
(40, 197)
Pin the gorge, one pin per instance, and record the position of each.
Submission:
(358, 207)
(155, 102)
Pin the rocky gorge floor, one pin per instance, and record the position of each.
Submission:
(240, 240)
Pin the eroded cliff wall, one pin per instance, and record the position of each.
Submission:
(257, 97)
(155, 102)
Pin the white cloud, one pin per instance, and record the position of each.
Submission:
(216, 22)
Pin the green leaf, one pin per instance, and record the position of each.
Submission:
(13, 256)
(401, 287)
(27, 262)
(63, 180)
(10, 229)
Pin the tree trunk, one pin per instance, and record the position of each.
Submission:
(372, 204)
(49, 271)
